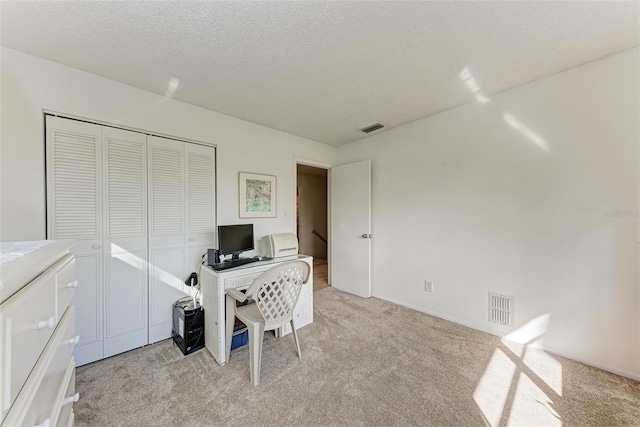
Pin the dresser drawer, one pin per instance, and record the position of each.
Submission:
(27, 320)
(67, 396)
(66, 283)
(55, 361)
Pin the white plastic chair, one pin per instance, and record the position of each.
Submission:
(276, 293)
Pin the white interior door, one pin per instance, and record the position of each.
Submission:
(351, 228)
(125, 240)
(74, 211)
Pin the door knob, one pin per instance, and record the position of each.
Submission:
(366, 236)
(96, 246)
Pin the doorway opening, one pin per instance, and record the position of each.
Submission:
(312, 220)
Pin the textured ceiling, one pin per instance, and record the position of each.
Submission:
(321, 70)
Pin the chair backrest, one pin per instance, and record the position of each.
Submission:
(276, 291)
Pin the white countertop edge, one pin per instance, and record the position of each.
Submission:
(16, 273)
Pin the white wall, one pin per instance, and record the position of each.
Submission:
(30, 84)
(468, 201)
(313, 215)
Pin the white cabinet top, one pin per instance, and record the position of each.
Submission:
(21, 262)
(10, 251)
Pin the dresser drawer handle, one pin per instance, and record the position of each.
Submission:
(71, 399)
(73, 284)
(49, 324)
(74, 341)
(45, 423)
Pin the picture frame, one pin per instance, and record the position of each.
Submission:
(257, 195)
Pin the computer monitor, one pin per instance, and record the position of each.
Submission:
(234, 239)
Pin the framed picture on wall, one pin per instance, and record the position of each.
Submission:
(257, 195)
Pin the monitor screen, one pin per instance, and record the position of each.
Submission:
(233, 239)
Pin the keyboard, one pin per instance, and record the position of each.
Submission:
(232, 264)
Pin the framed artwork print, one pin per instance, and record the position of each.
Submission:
(257, 195)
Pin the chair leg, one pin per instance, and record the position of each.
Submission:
(256, 335)
(295, 337)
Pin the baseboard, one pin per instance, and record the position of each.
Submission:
(435, 314)
(622, 373)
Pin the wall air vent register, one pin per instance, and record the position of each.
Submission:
(501, 309)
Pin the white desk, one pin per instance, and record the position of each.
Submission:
(218, 311)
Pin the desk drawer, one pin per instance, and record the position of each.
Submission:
(27, 320)
(66, 283)
(302, 316)
(56, 361)
(303, 313)
(306, 290)
(247, 280)
(240, 281)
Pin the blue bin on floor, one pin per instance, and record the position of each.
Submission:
(239, 339)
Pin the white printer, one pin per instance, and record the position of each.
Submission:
(281, 245)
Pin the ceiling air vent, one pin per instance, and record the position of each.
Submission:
(371, 128)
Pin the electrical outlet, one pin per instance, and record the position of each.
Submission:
(428, 286)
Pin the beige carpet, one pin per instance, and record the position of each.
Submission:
(366, 362)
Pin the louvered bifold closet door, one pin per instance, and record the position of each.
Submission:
(125, 240)
(167, 226)
(74, 211)
(200, 191)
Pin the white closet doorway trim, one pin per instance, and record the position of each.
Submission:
(123, 127)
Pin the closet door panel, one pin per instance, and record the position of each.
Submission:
(167, 286)
(126, 318)
(166, 232)
(166, 193)
(125, 189)
(142, 212)
(200, 191)
(194, 257)
(74, 193)
(74, 211)
(125, 240)
(88, 303)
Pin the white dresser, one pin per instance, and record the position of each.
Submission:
(37, 334)
(215, 283)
